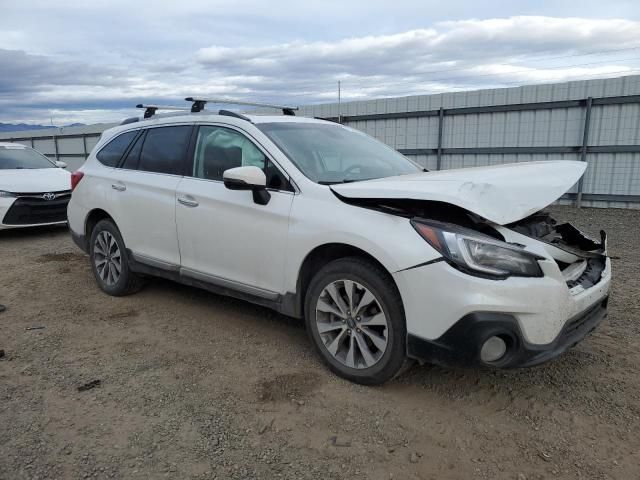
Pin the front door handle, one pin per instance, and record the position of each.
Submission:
(119, 187)
(188, 201)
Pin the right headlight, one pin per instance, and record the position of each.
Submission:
(476, 253)
(4, 194)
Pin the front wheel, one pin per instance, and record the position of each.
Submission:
(355, 319)
(109, 261)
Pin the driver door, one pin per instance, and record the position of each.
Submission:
(226, 238)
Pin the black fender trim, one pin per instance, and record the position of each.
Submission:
(281, 304)
(80, 241)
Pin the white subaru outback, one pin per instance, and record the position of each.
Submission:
(384, 260)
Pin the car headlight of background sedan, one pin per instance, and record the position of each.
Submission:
(476, 253)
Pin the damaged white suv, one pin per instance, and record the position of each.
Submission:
(384, 260)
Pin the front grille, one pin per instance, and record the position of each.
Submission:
(32, 208)
(59, 193)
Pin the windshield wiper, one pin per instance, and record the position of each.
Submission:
(346, 180)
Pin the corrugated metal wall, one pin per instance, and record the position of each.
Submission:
(530, 133)
(608, 174)
(69, 144)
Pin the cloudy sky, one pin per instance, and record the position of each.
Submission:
(90, 61)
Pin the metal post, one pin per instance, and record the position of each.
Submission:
(84, 146)
(339, 103)
(583, 150)
(55, 144)
(439, 152)
(32, 142)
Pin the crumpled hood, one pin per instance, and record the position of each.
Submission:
(35, 180)
(501, 193)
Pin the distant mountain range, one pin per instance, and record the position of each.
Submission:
(16, 127)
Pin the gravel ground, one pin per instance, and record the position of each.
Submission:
(193, 385)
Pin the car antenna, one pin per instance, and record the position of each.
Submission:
(199, 103)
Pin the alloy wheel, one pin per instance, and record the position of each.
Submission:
(107, 258)
(351, 323)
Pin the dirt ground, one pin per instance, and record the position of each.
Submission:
(194, 385)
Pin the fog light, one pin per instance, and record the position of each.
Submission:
(493, 349)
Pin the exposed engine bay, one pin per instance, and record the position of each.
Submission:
(580, 258)
(589, 255)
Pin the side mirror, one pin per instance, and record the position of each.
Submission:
(60, 164)
(248, 178)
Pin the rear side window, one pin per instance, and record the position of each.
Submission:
(164, 150)
(132, 158)
(111, 153)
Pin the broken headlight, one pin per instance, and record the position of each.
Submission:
(476, 253)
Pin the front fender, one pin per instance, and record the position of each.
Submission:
(390, 239)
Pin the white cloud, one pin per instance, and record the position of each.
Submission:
(463, 43)
(450, 55)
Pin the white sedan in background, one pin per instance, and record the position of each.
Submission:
(33, 189)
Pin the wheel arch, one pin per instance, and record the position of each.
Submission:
(91, 221)
(293, 303)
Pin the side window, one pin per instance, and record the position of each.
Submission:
(112, 152)
(219, 149)
(164, 150)
(133, 157)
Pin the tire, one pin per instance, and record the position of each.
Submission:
(126, 282)
(347, 356)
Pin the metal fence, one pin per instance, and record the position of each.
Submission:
(581, 150)
(69, 144)
(595, 121)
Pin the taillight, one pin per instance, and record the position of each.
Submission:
(75, 179)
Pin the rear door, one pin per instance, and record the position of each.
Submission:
(225, 237)
(143, 194)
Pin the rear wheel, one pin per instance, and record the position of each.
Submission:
(109, 261)
(355, 319)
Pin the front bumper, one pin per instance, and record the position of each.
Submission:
(460, 346)
(451, 314)
(32, 211)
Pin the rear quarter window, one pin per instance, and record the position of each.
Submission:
(112, 152)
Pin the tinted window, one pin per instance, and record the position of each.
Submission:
(133, 157)
(111, 154)
(219, 149)
(164, 150)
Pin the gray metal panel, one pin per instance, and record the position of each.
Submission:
(44, 146)
(70, 145)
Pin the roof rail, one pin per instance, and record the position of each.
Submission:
(199, 103)
(129, 120)
(150, 110)
(229, 113)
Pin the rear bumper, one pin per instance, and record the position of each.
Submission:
(460, 345)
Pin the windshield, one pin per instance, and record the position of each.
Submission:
(335, 154)
(17, 157)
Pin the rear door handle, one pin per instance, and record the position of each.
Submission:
(119, 187)
(188, 201)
